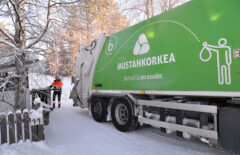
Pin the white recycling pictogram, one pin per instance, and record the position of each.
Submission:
(141, 46)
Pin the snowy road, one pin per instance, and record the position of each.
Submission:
(72, 132)
(80, 134)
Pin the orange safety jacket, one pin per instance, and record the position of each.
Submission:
(57, 83)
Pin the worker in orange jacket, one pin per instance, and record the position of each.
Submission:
(57, 87)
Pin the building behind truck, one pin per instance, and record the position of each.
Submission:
(183, 63)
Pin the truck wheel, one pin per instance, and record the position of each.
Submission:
(99, 110)
(122, 115)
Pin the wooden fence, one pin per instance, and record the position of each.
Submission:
(19, 126)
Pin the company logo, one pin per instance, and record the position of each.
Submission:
(111, 45)
(224, 59)
(141, 46)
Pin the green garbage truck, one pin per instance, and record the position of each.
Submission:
(184, 63)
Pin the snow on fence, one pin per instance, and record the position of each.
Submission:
(19, 126)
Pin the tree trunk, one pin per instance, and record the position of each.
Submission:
(147, 9)
(21, 82)
(152, 7)
(88, 30)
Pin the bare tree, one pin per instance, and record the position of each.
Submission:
(83, 24)
(29, 21)
(144, 9)
(166, 5)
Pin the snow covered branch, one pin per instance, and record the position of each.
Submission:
(16, 11)
(7, 43)
(8, 35)
(63, 3)
(36, 4)
(45, 29)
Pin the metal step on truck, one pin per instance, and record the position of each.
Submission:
(179, 67)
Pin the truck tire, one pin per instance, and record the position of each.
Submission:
(99, 110)
(122, 115)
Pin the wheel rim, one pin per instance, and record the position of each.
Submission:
(121, 114)
(97, 109)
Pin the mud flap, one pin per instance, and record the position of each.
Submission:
(229, 128)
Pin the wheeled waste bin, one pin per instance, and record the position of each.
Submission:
(45, 96)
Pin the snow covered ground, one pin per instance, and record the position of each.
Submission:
(72, 132)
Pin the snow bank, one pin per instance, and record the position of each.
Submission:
(25, 148)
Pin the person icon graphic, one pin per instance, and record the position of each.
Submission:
(224, 59)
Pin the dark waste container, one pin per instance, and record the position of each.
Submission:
(45, 96)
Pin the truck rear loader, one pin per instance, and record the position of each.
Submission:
(184, 63)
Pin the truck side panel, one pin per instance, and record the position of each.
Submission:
(192, 48)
